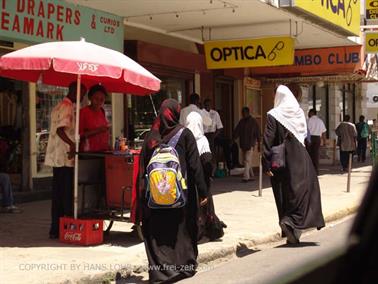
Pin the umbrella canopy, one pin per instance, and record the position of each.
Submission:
(60, 63)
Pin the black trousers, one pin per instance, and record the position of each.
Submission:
(211, 138)
(62, 196)
(313, 151)
(361, 149)
(230, 151)
(344, 159)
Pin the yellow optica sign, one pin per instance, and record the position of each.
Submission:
(371, 42)
(249, 53)
(343, 13)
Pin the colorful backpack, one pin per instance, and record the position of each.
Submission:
(166, 186)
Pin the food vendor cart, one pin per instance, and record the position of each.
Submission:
(60, 64)
(114, 173)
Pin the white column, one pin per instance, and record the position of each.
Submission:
(197, 83)
(335, 97)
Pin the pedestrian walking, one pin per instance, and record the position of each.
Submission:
(317, 131)
(60, 154)
(170, 234)
(194, 105)
(362, 138)
(295, 183)
(212, 131)
(346, 133)
(248, 132)
(209, 224)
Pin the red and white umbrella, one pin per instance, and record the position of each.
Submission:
(60, 63)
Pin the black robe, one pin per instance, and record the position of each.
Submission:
(296, 188)
(209, 224)
(170, 235)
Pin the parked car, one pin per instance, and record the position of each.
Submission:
(140, 134)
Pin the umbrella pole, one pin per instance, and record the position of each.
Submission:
(153, 105)
(77, 141)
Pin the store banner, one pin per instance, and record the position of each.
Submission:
(344, 14)
(56, 20)
(343, 59)
(371, 9)
(371, 42)
(371, 94)
(249, 53)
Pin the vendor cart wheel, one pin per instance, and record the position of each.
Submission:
(107, 226)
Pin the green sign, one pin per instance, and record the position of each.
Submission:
(56, 20)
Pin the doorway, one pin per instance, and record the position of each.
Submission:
(224, 91)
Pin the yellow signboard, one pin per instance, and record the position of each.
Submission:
(371, 9)
(371, 42)
(249, 53)
(343, 13)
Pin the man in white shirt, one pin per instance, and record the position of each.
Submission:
(213, 130)
(60, 156)
(317, 131)
(194, 102)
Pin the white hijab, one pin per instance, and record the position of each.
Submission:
(289, 113)
(194, 123)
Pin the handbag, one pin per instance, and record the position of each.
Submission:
(277, 157)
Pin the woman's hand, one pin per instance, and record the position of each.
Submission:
(203, 201)
(269, 173)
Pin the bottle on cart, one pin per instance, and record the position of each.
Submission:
(116, 144)
(122, 144)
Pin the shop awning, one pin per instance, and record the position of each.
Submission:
(204, 20)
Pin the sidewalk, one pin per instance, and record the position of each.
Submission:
(27, 255)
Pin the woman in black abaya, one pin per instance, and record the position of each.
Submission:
(209, 224)
(170, 235)
(296, 187)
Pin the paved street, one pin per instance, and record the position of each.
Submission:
(251, 220)
(265, 263)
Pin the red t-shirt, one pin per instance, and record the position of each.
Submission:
(90, 120)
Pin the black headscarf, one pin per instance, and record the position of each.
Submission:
(166, 125)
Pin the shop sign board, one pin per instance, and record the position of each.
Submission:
(319, 61)
(371, 95)
(35, 21)
(371, 42)
(344, 14)
(371, 9)
(272, 51)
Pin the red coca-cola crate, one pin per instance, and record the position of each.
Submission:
(81, 231)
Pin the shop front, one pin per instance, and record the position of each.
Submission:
(26, 107)
(177, 69)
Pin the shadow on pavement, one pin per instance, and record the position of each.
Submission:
(31, 229)
(300, 245)
(129, 279)
(234, 183)
(242, 250)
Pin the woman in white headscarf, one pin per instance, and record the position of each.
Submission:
(295, 186)
(209, 224)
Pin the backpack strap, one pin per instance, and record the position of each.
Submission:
(173, 141)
